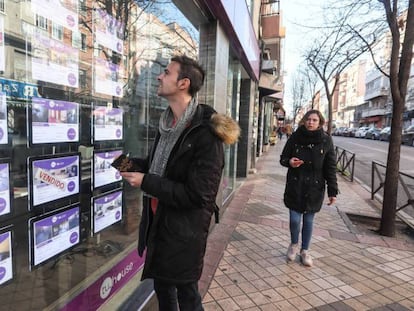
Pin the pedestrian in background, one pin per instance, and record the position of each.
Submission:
(180, 180)
(310, 157)
(280, 132)
(288, 130)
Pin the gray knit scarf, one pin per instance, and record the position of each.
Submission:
(169, 135)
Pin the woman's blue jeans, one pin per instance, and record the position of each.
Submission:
(295, 219)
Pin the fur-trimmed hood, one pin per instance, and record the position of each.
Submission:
(225, 127)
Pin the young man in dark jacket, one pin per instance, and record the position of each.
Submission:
(180, 179)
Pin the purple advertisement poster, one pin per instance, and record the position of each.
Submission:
(103, 172)
(63, 13)
(54, 178)
(4, 189)
(6, 262)
(107, 78)
(3, 119)
(107, 210)
(54, 62)
(54, 121)
(54, 234)
(109, 32)
(107, 285)
(108, 123)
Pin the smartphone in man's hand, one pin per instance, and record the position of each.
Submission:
(124, 164)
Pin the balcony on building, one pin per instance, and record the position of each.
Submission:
(374, 111)
(272, 33)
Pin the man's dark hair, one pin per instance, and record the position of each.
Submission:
(192, 70)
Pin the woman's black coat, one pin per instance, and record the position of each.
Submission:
(176, 236)
(305, 185)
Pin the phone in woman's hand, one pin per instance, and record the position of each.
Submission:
(124, 164)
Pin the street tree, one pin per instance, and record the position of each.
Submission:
(297, 90)
(332, 52)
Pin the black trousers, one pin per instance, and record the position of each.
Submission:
(170, 296)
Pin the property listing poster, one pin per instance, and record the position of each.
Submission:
(104, 173)
(6, 263)
(55, 178)
(54, 121)
(107, 210)
(4, 189)
(63, 13)
(54, 62)
(108, 31)
(54, 234)
(108, 123)
(2, 54)
(107, 78)
(3, 119)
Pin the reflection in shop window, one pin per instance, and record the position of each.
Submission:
(57, 32)
(41, 22)
(2, 6)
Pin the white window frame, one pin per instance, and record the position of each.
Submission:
(57, 31)
(41, 22)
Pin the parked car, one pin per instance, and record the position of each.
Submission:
(408, 136)
(373, 133)
(360, 133)
(339, 131)
(349, 132)
(385, 134)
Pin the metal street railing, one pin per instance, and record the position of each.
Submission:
(345, 162)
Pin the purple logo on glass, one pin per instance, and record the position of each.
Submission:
(71, 186)
(71, 79)
(70, 20)
(2, 204)
(73, 237)
(71, 134)
(1, 133)
(118, 133)
(117, 175)
(2, 273)
(119, 47)
(118, 90)
(117, 215)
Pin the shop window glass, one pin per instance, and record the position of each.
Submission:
(2, 8)
(78, 88)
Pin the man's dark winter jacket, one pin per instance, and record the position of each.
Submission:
(305, 185)
(176, 236)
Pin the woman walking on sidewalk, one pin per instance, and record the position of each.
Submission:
(310, 156)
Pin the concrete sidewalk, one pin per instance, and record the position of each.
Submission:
(246, 269)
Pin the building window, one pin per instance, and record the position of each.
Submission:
(82, 79)
(41, 22)
(82, 7)
(57, 32)
(79, 40)
(2, 8)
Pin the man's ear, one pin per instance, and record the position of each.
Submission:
(184, 83)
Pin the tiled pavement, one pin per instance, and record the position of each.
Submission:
(245, 266)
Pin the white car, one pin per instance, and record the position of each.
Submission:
(360, 133)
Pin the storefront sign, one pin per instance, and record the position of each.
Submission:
(107, 285)
(18, 90)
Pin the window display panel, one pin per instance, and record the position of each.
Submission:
(6, 256)
(3, 119)
(52, 178)
(63, 13)
(106, 210)
(53, 121)
(54, 61)
(103, 173)
(107, 123)
(53, 233)
(5, 194)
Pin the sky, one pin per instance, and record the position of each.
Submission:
(295, 14)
